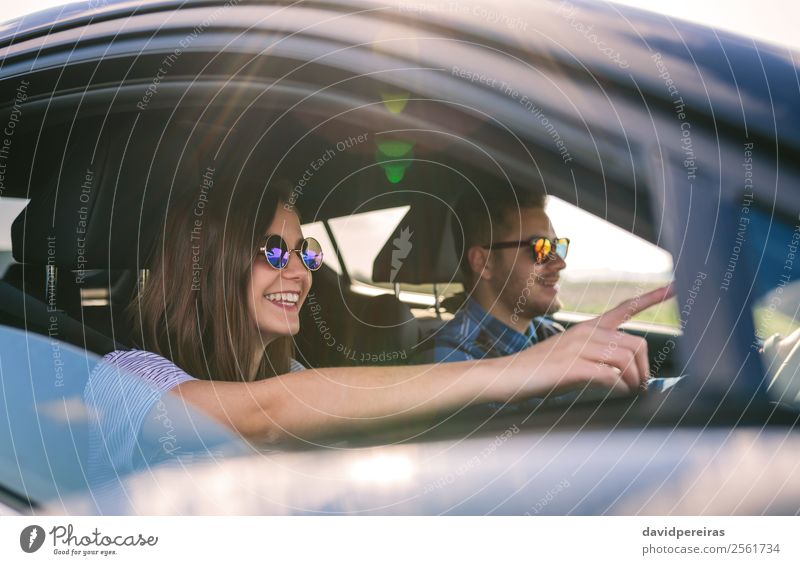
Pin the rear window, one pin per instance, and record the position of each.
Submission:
(361, 237)
(10, 208)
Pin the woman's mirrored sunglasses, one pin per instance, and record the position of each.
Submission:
(277, 252)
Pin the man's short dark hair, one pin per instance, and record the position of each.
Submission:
(479, 217)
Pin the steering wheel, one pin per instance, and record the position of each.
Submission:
(785, 353)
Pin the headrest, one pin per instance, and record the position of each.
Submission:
(421, 250)
(107, 196)
(386, 330)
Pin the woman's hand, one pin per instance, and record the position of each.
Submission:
(592, 352)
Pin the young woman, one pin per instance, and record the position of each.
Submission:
(216, 319)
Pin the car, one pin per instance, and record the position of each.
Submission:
(379, 115)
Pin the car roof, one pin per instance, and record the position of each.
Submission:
(738, 69)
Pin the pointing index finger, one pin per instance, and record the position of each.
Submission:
(625, 311)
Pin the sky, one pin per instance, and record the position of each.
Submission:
(768, 20)
(774, 21)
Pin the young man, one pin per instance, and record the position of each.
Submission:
(511, 260)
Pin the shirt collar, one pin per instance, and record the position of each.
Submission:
(506, 339)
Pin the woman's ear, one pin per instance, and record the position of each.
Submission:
(479, 262)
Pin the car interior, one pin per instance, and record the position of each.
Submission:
(100, 175)
(101, 183)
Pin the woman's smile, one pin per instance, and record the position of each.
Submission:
(285, 300)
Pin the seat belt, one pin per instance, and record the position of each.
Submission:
(36, 314)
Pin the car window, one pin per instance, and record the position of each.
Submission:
(595, 280)
(358, 250)
(771, 247)
(778, 312)
(774, 252)
(777, 325)
(607, 265)
(9, 210)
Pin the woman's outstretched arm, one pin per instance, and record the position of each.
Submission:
(311, 403)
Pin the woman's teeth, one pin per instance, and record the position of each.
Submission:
(285, 298)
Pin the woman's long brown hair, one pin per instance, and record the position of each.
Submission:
(194, 309)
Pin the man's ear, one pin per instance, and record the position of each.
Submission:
(478, 258)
